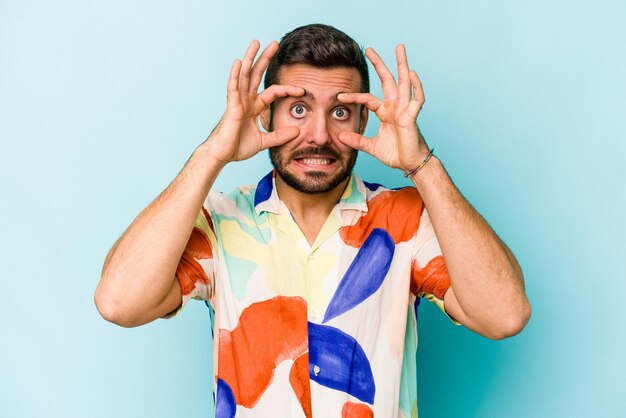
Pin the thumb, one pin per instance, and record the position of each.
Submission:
(280, 136)
(356, 141)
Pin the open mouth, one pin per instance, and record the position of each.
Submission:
(316, 159)
(316, 162)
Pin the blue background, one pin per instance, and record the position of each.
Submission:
(101, 103)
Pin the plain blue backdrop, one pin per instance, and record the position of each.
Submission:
(101, 103)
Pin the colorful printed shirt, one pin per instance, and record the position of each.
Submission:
(323, 330)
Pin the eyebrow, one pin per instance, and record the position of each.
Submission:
(310, 95)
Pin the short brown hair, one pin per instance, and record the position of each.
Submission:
(320, 46)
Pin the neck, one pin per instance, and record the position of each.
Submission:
(304, 204)
(309, 211)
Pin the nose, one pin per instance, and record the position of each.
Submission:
(318, 131)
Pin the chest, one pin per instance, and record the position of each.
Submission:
(333, 277)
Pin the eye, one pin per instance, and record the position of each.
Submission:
(341, 113)
(298, 111)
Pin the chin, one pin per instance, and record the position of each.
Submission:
(313, 182)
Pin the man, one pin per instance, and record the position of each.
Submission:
(314, 275)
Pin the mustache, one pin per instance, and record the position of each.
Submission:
(316, 151)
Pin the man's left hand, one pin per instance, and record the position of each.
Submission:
(398, 143)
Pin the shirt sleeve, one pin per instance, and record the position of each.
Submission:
(195, 271)
(429, 275)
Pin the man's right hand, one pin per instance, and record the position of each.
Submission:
(237, 136)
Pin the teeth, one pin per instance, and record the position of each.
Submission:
(315, 161)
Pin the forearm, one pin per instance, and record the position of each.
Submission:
(487, 286)
(138, 276)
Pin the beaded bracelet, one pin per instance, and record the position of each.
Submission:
(423, 163)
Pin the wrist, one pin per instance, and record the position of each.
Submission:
(414, 168)
(210, 154)
(206, 157)
(429, 175)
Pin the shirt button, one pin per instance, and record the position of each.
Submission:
(316, 370)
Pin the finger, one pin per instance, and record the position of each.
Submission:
(279, 136)
(260, 66)
(232, 88)
(388, 82)
(370, 101)
(404, 81)
(356, 141)
(273, 92)
(246, 65)
(416, 103)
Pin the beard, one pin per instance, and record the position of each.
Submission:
(314, 182)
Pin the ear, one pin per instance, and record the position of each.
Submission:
(363, 119)
(266, 118)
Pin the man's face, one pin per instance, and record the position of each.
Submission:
(316, 161)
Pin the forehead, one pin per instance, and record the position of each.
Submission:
(324, 81)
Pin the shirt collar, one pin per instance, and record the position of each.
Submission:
(266, 198)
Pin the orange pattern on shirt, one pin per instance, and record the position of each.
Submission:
(432, 279)
(189, 271)
(356, 410)
(301, 384)
(268, 333)
(397, 212)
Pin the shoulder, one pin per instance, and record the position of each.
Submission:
(239, 200)
(379, 197)
(396, 211)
